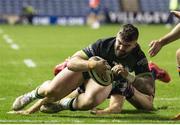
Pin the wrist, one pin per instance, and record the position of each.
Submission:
(91, 64)
(162, 42)
(130, 78)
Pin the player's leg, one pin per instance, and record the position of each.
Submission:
(141, 101)
(27, 98)
(62, 84)
(94, 95)
(141, 95)
(178, 60)
(23, 100)
(55, 107)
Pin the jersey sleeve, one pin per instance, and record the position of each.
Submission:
(93, 49)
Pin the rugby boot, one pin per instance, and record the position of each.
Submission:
(22, 101)
(159, 73)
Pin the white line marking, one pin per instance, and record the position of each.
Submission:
(167, 99)
(7, 39)
(29, 63)
(2, 99)
(14, 46)
(5, 36)
(29, 121)
(59, 121)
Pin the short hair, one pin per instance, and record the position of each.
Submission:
(129, 33)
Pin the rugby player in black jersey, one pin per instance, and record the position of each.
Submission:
(123, 53)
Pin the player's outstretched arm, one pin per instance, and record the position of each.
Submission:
(156, 45)
(34, 108)
(176, 13)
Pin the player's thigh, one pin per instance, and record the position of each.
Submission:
(96, 92)
(65, 82)
(145, 87)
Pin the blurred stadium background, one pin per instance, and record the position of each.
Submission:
(28, 52)
(71, 12)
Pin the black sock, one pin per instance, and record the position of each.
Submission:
(71, 105)
(37, 95)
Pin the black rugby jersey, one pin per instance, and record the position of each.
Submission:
(133, 61)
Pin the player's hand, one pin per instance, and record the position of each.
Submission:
(155, 47)
(176, 13)
(99, 65)
(119, 70)
(21, 112)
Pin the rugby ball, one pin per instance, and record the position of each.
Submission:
(105, 79)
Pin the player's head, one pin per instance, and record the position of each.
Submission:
(126, 39)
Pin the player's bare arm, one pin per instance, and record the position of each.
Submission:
(156, 45)
(79, 62)
(176, 13)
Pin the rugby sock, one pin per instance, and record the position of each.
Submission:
(81, 89)
(71, 107)
(32, 94)
(67, 103)
(37, 95)
(43, 85)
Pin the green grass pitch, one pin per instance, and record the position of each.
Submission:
(50, 45)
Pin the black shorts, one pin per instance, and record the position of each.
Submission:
(86, 75)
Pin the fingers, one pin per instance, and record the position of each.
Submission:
(155, 47)
(151, 44)
(104, 64)
(21, 112)
(118, 69)
(152, 49)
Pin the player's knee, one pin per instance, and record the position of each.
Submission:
(150, 91)
(148, 106)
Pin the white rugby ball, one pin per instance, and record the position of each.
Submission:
(103, 80)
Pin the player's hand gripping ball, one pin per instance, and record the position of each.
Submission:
(102, 78)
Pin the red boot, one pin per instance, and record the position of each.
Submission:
(160, 74)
